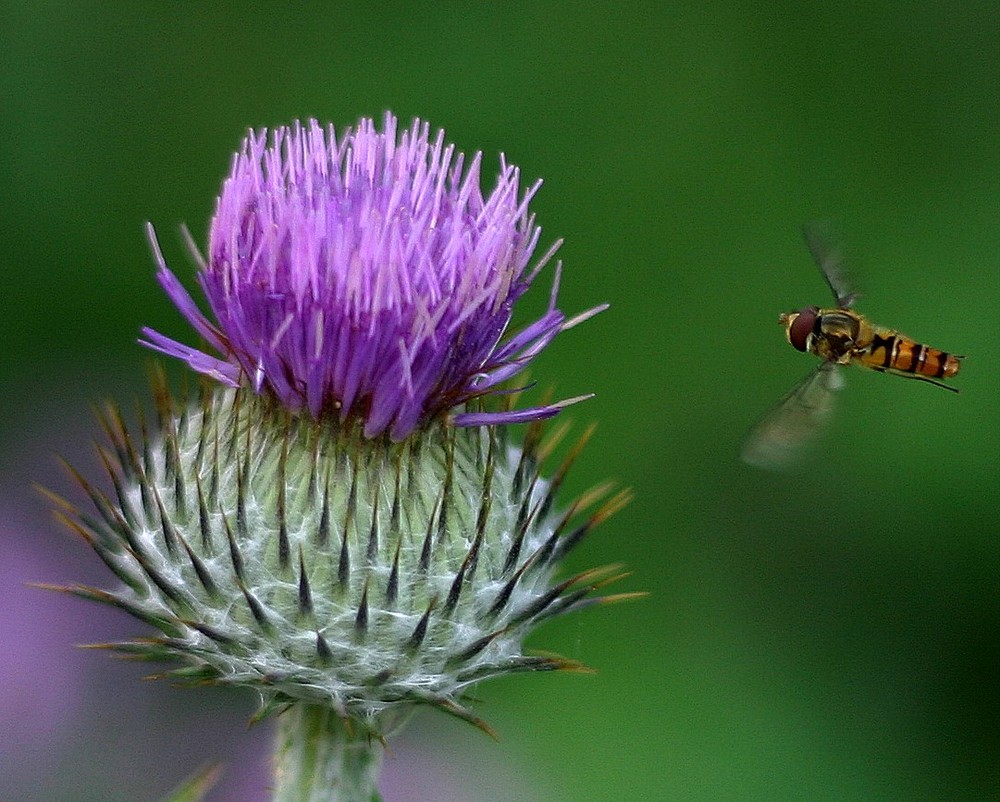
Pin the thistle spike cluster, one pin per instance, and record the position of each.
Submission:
(320, 567)
(367, 277)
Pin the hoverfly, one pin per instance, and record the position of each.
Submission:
(839, 336)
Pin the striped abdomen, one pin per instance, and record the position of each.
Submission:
(890, 350)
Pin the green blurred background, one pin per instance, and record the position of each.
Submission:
(829, 634)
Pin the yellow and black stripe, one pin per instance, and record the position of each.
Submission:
(892, 351)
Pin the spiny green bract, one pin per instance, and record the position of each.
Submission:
(310, 563)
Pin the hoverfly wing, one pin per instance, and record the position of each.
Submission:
(828, 254)
(780, 438)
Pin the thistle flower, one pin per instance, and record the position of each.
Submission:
(312, 525)
(367, 277)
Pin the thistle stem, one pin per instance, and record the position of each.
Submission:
(320, 758)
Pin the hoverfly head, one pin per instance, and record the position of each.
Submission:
(799, 326)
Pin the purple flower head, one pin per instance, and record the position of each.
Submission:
(367, 277)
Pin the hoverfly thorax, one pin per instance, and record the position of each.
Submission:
(839, 335)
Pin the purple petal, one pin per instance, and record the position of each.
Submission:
(218, 369)
(180, 297)
(525, 415)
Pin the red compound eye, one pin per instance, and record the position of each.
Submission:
(802, 327)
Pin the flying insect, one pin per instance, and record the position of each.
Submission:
(839, 336)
